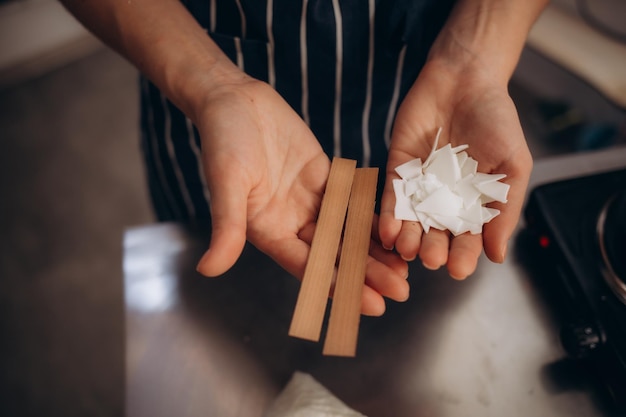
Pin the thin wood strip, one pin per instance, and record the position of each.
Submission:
(345, 313)
(310, 309)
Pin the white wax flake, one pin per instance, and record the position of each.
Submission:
(460, 148)
(467, 191)
(441, 202)
(444, 165)
(403, 209)
(462, 157)
(434, 149)
(411, 169)
(470, 166)
(446, 191)
(494, 190)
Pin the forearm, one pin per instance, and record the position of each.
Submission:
(163, 41)
(486, 37)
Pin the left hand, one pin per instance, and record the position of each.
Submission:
(475, 110)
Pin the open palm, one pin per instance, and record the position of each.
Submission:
(473, 110)
(266, 174)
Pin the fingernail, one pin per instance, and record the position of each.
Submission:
(407, 295)
(458, 277)
(431, 267)
(504, 250)
(200, 264)
(386, 248)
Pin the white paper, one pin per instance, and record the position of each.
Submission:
(305, 397)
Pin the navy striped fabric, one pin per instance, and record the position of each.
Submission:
(343, 65)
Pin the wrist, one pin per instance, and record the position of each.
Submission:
(191, 83)
(165, 43)
(484, 38)
(184, 63)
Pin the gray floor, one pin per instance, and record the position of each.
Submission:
(71, 181)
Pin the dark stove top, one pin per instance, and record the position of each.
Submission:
(578, 226)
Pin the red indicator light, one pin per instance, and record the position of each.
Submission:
(544, 241)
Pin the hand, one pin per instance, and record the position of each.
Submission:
(266, 174)
(472, 109)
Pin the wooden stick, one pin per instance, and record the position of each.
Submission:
(345, 313)
(310, 309)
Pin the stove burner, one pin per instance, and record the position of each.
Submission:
(611, 230)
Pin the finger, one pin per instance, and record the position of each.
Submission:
(307, 232)
(376, 252)
(409, 240)
(499, 230)
(463, 257)
(385, 274)
(375, 235)
(385, 281)
(434, 248)
(373, 304)
(228, 235)
(389, 258)
(291, 254)
(388, 226)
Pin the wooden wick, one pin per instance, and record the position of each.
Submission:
(345, 314)
(310, 309)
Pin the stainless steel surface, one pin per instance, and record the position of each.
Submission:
(610, 276)
(486, 346)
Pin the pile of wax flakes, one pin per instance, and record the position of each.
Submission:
(447, 192)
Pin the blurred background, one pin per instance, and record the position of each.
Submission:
(71, 182)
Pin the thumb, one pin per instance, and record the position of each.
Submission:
(228, 235)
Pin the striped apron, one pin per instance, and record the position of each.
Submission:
(343, 66)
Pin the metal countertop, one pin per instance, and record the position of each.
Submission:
(486, 346)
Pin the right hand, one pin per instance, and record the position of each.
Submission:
(266, 174)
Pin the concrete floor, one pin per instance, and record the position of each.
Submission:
(71, 181)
